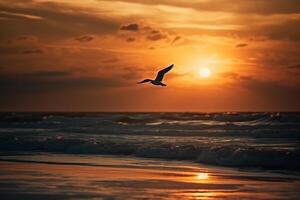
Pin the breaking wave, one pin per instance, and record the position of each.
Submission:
(244, 140)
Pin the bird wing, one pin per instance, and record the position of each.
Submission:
(145, 80)
(161, 73)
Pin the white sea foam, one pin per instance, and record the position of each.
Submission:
(250, 140)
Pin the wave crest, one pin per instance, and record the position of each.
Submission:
(223, 154)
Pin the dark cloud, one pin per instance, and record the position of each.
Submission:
(278, 92)
(38, 83)
(50, 73)
(130, 39)
(297, 66)
(131, 73)
(156, 35)
(56, 22)
(111, 60)
(33, 51)
(241, 45)
(154, 32)
(177, 38)
(84, 38)
(130, 27)
(23, 37)
(288, 30)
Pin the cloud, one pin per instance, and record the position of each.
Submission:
(22, 40)
(33, 51)
(13, 15)
(111, 60)
(23, 37)
(50, 74)
(130, 27)
(56, 23)
(235, 76)
(275, 90)
(241, 45)
(130, 39)
(131, 73)
(278, 92)
(84, 38)
(297, 66)
(146, 32)
(38, 83)
(288, 30)
(156, 35)
(177, 38)
(240, 6)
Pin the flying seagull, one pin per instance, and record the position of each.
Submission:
(159, 77)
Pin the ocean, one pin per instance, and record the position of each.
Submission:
(243, 140)
(150, 155)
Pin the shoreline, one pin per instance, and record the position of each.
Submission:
(63, 176)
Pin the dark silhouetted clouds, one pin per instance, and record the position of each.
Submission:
(50, 73)
(111, 60)
(130, 27)
(276, 91)
(44, 82)
(33, 51)
(56, 22)
(130, 39)
(22, 37)
(84, 38)
(241, 45)
(156, 35)
(297, 66)
(177, 38)
(288, 30)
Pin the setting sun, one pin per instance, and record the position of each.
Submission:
(202, 176)
(205, 72)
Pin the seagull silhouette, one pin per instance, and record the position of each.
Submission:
(159, 77)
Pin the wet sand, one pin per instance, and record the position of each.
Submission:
(62, 176)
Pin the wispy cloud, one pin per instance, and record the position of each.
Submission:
(85, 38)
(8, 15)
(33, 51)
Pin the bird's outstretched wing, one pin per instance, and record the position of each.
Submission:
(161, 73)
(145, 80)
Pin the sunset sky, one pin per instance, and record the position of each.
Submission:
(88, 55)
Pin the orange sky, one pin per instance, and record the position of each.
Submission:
(74, 55)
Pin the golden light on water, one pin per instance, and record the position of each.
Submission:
(202, 176)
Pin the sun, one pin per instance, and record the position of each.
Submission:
(205, 72)
(202, 176)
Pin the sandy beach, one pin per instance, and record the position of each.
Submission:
(63, 176)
